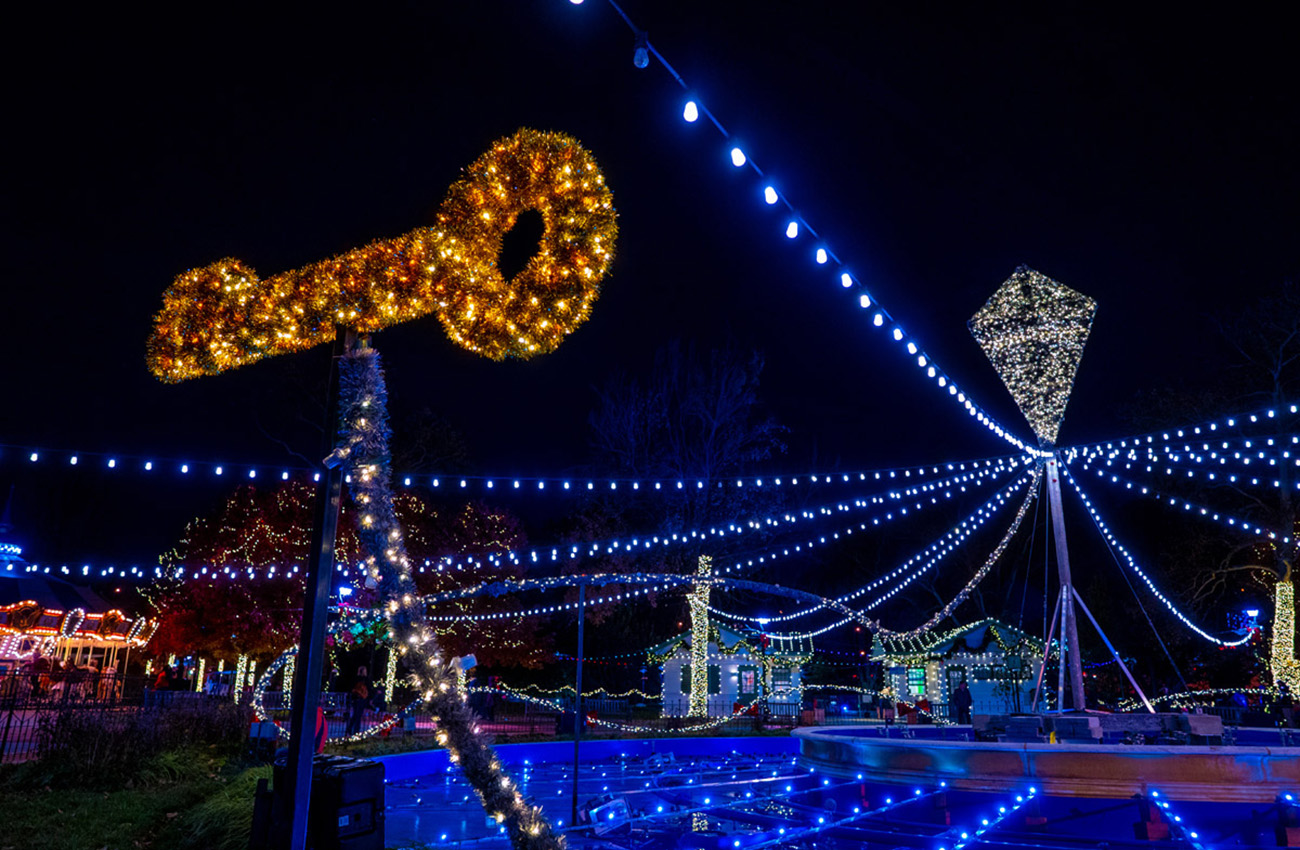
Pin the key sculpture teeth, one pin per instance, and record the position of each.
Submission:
(223, 316)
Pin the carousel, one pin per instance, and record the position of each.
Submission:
(43, 616)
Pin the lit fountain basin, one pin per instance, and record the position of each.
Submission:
(1234, 774)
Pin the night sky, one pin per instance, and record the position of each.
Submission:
(1147, 160)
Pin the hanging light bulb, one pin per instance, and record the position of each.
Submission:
(792, 229)
(846, 280)
(641, 53)
(691, 112)
(821, 256)
(737, 157)
(769, 195)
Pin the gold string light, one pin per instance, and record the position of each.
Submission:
(222, 316)
(1033, 329)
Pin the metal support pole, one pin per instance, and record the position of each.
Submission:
(292, 828)
(1120, 661)
(1069, 620)
(1047, 653)
(1060, 665)
(577, 697)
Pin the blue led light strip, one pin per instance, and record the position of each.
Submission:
(496, 484)
(1178, 463)
(781, 522)
(1126, 558)
(1205, 428)
(1190, 507)
(909, 570)
(936, 551)
(825, 259)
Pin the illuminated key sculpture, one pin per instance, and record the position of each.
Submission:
(223, 316)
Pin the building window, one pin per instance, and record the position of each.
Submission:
(916, 681)
(747, 681)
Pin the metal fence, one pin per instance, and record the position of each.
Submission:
(36, 709)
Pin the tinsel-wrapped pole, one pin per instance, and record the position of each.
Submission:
(364, 446)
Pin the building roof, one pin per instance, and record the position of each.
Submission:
(728, 638)
(49, 592)
(974, 638)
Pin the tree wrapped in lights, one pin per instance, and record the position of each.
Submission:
(698, 600)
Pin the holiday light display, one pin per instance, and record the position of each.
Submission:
(1282, 661)
(698, 599)
(223, 316)
(1033, 329)
(943, 613)
(1127, 558)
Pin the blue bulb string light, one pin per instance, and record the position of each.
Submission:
(912, 569)
(980, 473)
(1127, 559)
(1176, 822)
(1252, 469)
(1189, 507)
(908, 571)
(796, 227)
(963, 837)
(924, 494)
(487, 484)
(1216, 427)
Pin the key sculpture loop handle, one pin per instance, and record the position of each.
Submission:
(222, 316)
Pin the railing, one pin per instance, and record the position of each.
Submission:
(37, 709)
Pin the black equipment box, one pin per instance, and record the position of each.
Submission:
(347, 803)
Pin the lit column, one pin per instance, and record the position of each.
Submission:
(698, 599)
(1283, 660)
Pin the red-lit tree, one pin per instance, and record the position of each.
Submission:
(234, 589)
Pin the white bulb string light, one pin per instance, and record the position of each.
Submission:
(1189, 507)
(1216, 427)
(480, 484)
(942, 614)
(780, 522)
(960, 483)
(937, 550)
(825, 261)
(905, 573)
(1252, 468)
(913, 569)
(1125, 558)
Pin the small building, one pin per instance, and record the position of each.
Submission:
(741, 670)
(999, 663)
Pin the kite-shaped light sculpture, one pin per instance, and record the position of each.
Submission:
(1034, 329)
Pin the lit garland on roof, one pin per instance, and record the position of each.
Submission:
(1033, 329)
(223, 316)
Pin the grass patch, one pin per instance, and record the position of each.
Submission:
(187, 798)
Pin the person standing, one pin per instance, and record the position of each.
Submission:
(359, 700)
(961, 700)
